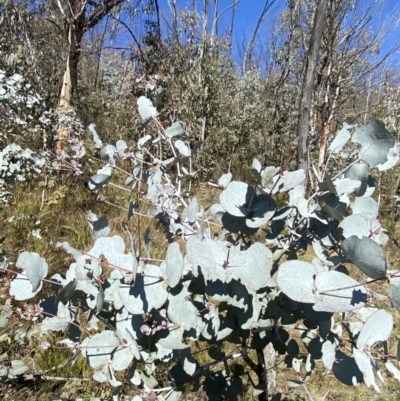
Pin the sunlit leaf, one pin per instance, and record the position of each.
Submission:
(341, 139)
(17, 368)
(296, 280)
(363, 361)
(192, 210)
(146, 108)
(97, 141)
(177, 129)
(35, 268)
(181, 310)
(337, 292)
(100, 348)
(237, 198)
(174, 264)
(183, 148)
(21, 287)
(378, 327)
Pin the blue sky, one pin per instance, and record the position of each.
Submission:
(249, 11)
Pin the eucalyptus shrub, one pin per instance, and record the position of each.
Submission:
(223, 286)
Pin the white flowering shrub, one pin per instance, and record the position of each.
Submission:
(24, 117)
(126, 311)
(18, 164)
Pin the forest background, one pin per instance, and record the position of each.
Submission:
(232, 71)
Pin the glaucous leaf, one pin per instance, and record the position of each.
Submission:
(35, 268)
(192, 210)
(337, 292)
(251, 267)
(107, 153)
(189, 364)
(65, 294)
(146, 242)
(100, 348)
(261, 211)
(267, 176)
(121, 359)
(392, 159)
(21, 287)
(256, 170)
(363, 361)
(328, 354)
(177, 129)
(100, 227)
(110, 248)
(121, 146)
(157, 99)
(60, 322)
(346, 186)
(99, 300)
(146, 108)
(174, 264)
(378, 327)
(148, 292)
(183, 148)
(69, 249)
(375, 142)
(296, 280)
(143, 141)
(356, 225)
(394, 291)
(288, 180)
(209, 255)
(360, 172)
(17, 368)
(216, 210)
(393, 370)
(97, 141)
(154, 286)
(98, 181)
(361, 226)
(181, 310)
(173, 340)
(341, 139)
(366, 254)
(236, 198)
(365, 206)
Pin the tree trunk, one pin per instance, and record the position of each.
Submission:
(308, 85)
(76, 23)
(70, 76)
(74, 30)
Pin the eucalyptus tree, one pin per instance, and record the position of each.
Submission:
(308, 83)
(78, 17)
(352, 50)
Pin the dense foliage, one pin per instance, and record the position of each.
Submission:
(225, 286)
